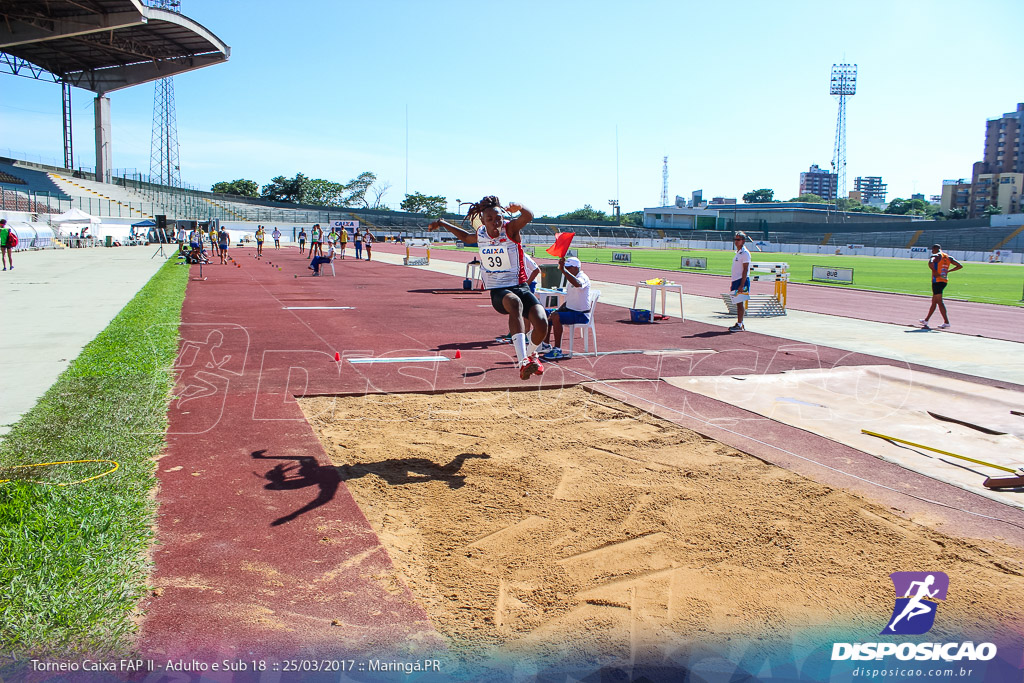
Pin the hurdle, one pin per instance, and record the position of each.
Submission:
(765, 305)
(418, 261)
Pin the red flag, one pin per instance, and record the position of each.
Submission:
(561, 246)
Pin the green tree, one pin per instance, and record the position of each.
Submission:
(433, 206)
(633, 218)
(956, 214)
(356, 189)
(763, 195)
(809, 198)
(281, 189)
(898, 206)
(324, 193)
(242, 188)
(991, 210)
(587, 213)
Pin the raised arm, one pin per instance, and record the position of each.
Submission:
(463, 235)
(569, 277)
(515, 226)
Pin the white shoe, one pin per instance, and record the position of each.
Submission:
(943, 326)
(924, 324)
(543, 348)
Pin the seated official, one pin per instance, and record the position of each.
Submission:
(576, 307)
(318, 261)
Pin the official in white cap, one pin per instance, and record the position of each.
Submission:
(576, 308)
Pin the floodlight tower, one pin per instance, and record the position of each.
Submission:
(844, 84)
(164, 166)
(664, 182)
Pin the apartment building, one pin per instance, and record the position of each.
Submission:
(995, 180)
(825, 184)
(956, 194)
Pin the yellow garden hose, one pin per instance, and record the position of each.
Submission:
(65, 462)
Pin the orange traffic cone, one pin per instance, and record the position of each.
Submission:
(458, 354)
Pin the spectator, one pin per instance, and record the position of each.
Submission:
(740, 286)
(6, 245)
(577, 303)
(368, 240)
(342, 241)
(224, 241)
(261, 235)
(180, 238)
(277, 237)
(318, 261)
(316, 236)
(196, 253)
(212, 232)
(358, 240)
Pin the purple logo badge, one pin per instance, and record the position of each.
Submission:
(916, 602)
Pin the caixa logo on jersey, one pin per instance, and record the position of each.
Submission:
(917, 602)
(914, 613)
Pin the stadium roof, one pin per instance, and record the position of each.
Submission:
(104, 45)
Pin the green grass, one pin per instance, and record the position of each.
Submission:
(995, 283)
(73, 559)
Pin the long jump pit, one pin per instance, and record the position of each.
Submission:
(561, 530)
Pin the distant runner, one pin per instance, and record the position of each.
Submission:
(939, 264)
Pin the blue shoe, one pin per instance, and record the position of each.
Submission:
(555, 354)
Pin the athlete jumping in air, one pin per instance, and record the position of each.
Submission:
(503, 274)
(915, 607)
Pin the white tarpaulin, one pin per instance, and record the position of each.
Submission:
(920, 407)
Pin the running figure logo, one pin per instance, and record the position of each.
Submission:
(914, 613)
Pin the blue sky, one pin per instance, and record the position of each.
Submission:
(523, 99)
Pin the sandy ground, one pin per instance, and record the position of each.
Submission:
(607, 532)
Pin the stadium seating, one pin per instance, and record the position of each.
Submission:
(30, 181)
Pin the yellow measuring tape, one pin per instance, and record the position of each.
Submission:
(929, 448)
(65, 462)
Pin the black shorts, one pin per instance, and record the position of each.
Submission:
(937, 287)
(522, 291)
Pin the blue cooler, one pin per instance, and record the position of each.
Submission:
(639, 315)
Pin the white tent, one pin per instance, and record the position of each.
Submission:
(75, 216)
(117, 231)
(74, 220)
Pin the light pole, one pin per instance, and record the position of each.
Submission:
(458, 206)
(614, 203)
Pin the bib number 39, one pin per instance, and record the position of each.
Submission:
(495, 260)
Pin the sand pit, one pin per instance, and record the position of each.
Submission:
(607, 532)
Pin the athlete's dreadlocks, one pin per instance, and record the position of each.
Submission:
(477, 209)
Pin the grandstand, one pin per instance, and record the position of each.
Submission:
(38, 189)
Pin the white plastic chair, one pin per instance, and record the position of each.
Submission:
(595, 294)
